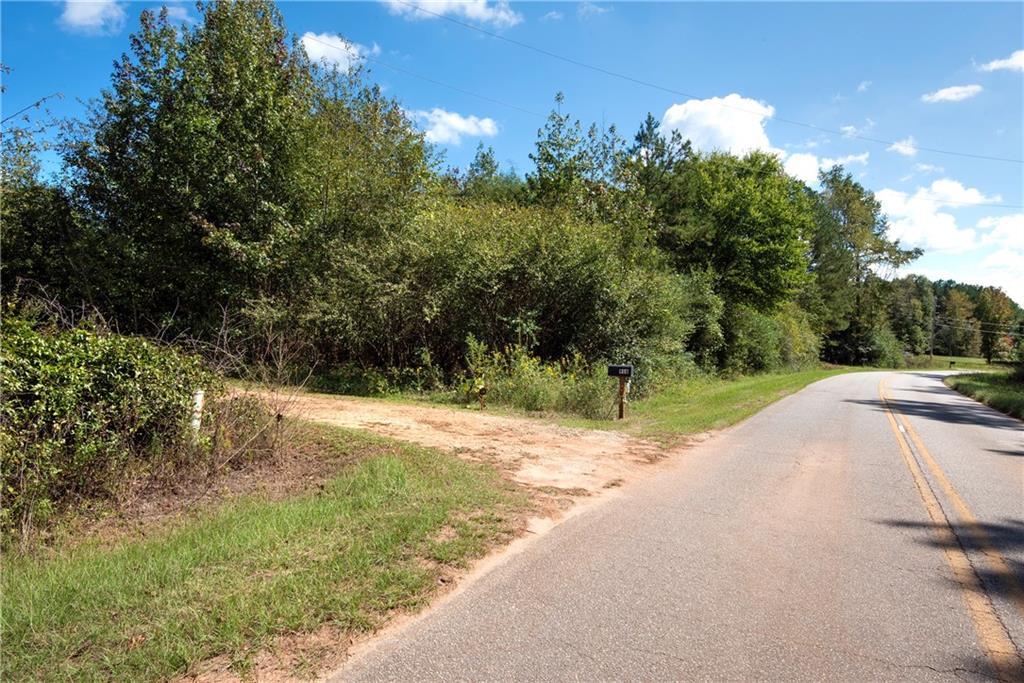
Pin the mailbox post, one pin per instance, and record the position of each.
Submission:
(624, 373)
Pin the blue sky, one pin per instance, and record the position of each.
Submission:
(922, 75)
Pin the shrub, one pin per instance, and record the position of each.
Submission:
(514, 377)
(82, 409)
(883, 349)
(801, 346)
(530, 276)
(753, 342)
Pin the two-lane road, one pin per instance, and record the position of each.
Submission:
(869, 527)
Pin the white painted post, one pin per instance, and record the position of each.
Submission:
(197, 409)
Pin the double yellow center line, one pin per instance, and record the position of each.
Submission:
(992, 634)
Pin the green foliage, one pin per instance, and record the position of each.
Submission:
(745, 221)
(515, 378)
(849, 242)
(883, 349)
(698, 402)
(484, 181)
(753, 342)
(995, 317)
(757, 342)
(958, 332)
(528, 275)
(911, 311)
(191, 158)
(82, 409)
(225, 186)
(800, 346)
(1002, 391)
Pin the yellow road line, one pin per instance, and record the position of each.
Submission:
(967, 518)
(992, 635)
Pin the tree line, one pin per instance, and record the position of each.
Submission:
(226, 186)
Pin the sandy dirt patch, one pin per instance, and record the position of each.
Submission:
(532, 452)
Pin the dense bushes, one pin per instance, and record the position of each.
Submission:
(514, 377)
(506, 275)
(764, 343)
(85, 413)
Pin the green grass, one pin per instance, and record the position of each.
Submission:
(925, 362)
(373, 539)
(999, 390)
(705, 403)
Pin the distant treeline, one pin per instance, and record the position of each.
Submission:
(225, 187)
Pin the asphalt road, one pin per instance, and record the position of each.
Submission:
(833, 536)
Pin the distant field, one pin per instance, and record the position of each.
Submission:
(924, 362)
(998, 390)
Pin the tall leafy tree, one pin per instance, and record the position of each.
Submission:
(995, 317)
(911, 310)
(657, 163)
(849, 246)
(746, 221)
(191, 159)
(959, 331)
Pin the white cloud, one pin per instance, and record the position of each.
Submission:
(92, 17)
(805, 167)
(929, 168)
(1007, 231)
(802, 167)
(863, 86)
(1014, 62)
(954, 93)
(948, 192)
(179, 13)
(907, 148)
(917, 220)
(585, 10)
(732, 123)
(850, 130)
(1005, 268)
(448, 127)
(1002, 268)
(334, 49)
(497, 13)
(553, 15)
(861, 159)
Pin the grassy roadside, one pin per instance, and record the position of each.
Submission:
(374, 538)
(943, 363)
(705, 403)
(1000, 390)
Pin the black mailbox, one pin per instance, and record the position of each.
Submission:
(620, 370)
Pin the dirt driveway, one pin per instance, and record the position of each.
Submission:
(533, 452)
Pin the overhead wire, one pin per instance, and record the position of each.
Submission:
(428, 79)
(681, 93)
(998, 326)
(1015, 335)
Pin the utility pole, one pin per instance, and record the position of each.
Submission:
(931, 334)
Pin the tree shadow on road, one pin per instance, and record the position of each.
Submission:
(1000, 451)
(958, 413)
(1003, 537)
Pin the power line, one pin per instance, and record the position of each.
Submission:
(673, 91)
(1000, 327)
(427, 78)
(35, 104)
(1015, 335)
